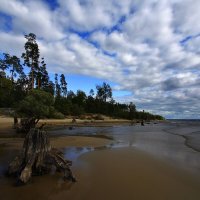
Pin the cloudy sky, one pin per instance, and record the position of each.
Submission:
(148, 50)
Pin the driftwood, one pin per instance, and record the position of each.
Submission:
(37, 158)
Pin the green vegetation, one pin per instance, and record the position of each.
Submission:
(37, 104)
(35, 95)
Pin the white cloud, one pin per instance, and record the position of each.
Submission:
(88, 15)
(186, 17)
(143, 53)
(32, 16)
(11, 43)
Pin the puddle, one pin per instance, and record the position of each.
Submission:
(73, 153)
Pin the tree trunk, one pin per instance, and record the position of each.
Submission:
(12, 75)
(26, 124)
(37, 158)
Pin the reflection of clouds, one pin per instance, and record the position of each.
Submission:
(172, 148)
(72, 153)
(153, 139)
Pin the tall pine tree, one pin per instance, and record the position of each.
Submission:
(57, 87)
(42, 76)
(45, 75)
(31, 57)
(63, 85)
(13, 64)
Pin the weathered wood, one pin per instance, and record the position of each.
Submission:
(37, 157)
(26, 124)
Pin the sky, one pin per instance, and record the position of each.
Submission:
(147, 50)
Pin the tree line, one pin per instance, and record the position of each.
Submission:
(27, 87)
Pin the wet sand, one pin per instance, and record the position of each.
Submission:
(59, 142)
(130, 174)
(141, 163)
(110, 174)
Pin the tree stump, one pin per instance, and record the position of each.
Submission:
(26, 124)
(37, 158)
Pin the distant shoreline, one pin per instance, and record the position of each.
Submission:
(6, 124)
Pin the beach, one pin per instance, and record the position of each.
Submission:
(155, 161)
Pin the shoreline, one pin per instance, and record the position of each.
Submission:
(7, 122)
(187, 138)
(7, 130)
(143, 165)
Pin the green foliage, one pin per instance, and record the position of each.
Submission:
(63, 84)
(42, 76)
(132, 111)
(6, 88)
(57, 87)
(55, 114)
(13, 64)
(77, 110)
(104, 91)
(31, 57)
(62, 105)
(58, 115)
(3, 65)
(91, 92)
(80, 98)
(36, 104)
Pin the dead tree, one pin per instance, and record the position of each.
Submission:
(26, 124)
(37, 158)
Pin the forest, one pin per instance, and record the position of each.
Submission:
(25, 86)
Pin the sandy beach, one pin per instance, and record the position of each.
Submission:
(157, 161)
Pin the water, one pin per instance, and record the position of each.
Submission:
(175, 143)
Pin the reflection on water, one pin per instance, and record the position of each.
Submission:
(151, 138)
(73, 153)
(81, 131)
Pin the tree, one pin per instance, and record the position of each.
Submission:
(80, 97)
(45, 75)
(70, 95)
(104, 91)
(63, 85)
(132, 110)
(10, 89)
(13, 62)
(57, 87)
(49, 88)
(35, 106)
(91, 92)
(42, 76)
(6, 87)
(31, 57)
(3, 65)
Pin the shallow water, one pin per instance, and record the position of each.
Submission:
(164, 140)
(103, 167)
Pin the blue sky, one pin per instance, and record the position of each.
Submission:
(148, 51)
(86, 83)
